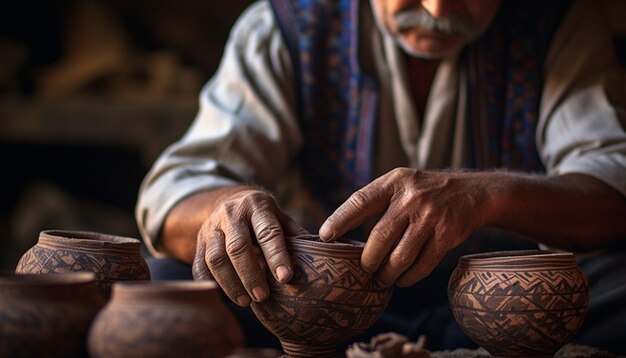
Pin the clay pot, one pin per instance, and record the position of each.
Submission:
(165, 319)
(519, 303)
(47, 315)
(111, 258)
(329, 299)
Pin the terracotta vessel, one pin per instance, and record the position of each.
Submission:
(47, 315)
(519, 303)
(111, 258)
(165, 319)
(329, 299)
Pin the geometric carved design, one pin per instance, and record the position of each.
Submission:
(512, 311)
(329, 299)
(110, 258)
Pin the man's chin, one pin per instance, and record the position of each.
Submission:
(428, 53)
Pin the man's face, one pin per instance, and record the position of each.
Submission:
(433, 29)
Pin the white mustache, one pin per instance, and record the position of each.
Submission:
(451, 24)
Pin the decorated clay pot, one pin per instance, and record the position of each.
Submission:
(165, 319)
(519, 303)
(47, 315)
(330, 298)
(111, 258)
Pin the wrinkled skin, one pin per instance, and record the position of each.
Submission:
(419, 224)
(229, 241)
(421, 215)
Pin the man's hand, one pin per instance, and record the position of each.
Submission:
(229, 241)
(424, 215)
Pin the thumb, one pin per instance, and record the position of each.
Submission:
(361, 205)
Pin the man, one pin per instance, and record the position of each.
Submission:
(327, 96)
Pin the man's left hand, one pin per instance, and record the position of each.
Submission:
(424, 215)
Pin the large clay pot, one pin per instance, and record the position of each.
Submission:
(47, 315)
(330, 298)
(165, 319)
(111, 258)
(519, 303)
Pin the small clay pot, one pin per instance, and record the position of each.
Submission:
(47, 315)
(330, 298)
(519, 303)
(111, 258)
(165, 319)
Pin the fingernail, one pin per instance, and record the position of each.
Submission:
(283, 273)
(259, 293)
(243, 300)
(325, 233)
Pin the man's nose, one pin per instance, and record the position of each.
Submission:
(439, 8)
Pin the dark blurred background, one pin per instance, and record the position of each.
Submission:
(91, 91)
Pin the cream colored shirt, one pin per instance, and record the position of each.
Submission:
(246, 130)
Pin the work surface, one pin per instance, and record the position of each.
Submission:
(568, 351)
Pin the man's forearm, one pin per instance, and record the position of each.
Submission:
(573, 212)
(180, 230)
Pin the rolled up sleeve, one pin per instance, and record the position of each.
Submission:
(583, 116)
(245, 130)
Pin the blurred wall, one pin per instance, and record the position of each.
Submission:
(91, 91)
(615, 11)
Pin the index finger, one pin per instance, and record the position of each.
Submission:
(270, 236)
(199, 269)
(361, 205)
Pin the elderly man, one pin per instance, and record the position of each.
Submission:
(469, 114)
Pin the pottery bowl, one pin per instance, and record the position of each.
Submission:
(47, 315)
(519, 303)
(165, 319)
(329, 299)
(111, 258)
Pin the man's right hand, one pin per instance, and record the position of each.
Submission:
(229, 240)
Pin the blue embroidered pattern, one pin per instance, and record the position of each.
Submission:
(338, 102)
(505, 69)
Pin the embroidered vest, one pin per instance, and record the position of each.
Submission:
(338, 102)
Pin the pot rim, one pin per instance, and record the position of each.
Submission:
(88, 239)
(311, 244)
(314, 240)
(516, 259)
(73, 288)
(164, 286)
(48, 279)
(187, 291)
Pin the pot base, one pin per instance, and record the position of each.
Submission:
(297, 350)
